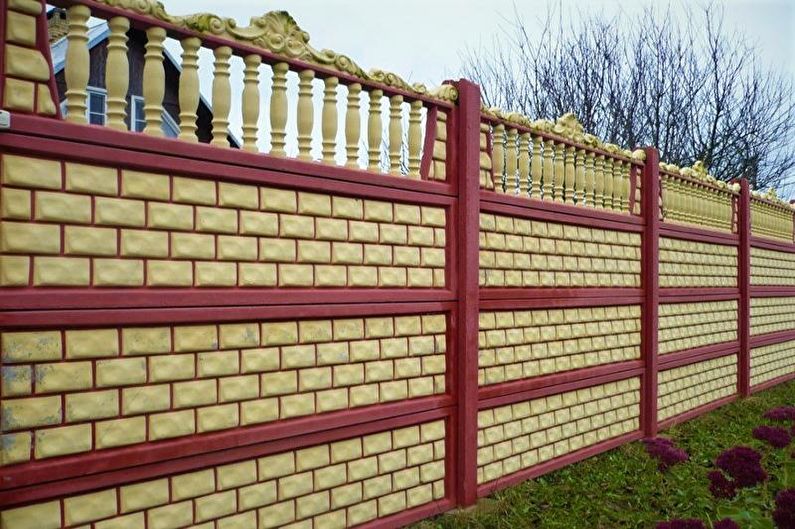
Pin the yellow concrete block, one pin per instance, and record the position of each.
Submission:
(362, 512)
(363, 231)
(333, 399)
(347, 208)
(295, 485)
(16, 448)
(19, 95)
(379, 327)
(195, 338)
(145, 399)
(433, 216)
(169, 273)
(19, 237)
(375, 254)
(143, 495)
(170, 216)
(91, 405)
(131, 521)
(346, 495)
(297, 226)
(331, 229)
(120, 432)
(407, 214)
(193, 484)
(239, 335)
(91, 179)
(119, 211)
(92, 343)
(63, 376)
(171, 367)
(377, 443)
(62, 441)
(14, 270)
(21, 29)
(89, 241)
(173, 424)
(362, 276)
(251, 274)
(314, 252)
(379, 211)
(193, 191)
(257, 495)
(279, 200)
(171, 516)
(331, 276)
(118, 272)
(216, 220)
(31, 346)
(311, 458)
(60, 271)
(135, 184)
(17, 380)
(255, 360)
(232, 248)
(215, 505)
(295, 275)
(144, 243)
(279, 383)
(345, 253)
(146, 340)
(216, 274)
(297, 405)
(275, 515)
(258, 223)
(277, 250)
(237, 195)
(36, 516)
(312, 504)
(258, 411)
(236, 474)
(377, 486)
(89, 507)
(313, 331)
(217, 363)
(279, 333)
(192, 245)
(194, 393)
(44, 100)
(15, 203)
(314, 204)
(392, 503)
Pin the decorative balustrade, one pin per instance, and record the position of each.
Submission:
(394, 140)
(691, 196)
(557, 162)
(771, 217)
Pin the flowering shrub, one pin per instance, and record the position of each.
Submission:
(726, 523)
(720, 486)
(743, 464)
(782, 413)
(784, 515)
(682, 524)
(775, 436)
(665, 452)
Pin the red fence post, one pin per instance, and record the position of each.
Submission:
(467, 163)
(650, 283)
(744, 284)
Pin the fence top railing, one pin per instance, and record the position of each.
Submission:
(698, 175)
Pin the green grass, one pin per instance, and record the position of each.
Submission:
(622, 488)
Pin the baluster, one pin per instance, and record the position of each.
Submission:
(305, 114)
(375, 130)
(665, 194)
(498, 155)
(622, 181)
(279, 108)
(395, 133)
(222, 96)
(569, 177)
(676, 200)
(251, 101)
(579, 177)
(524, 164)
(549, 169)
(415, 138)
(510, 161)
(535, 168)
(330, 119)
(590, 185)
(77, 63)
(353, 125)
(560, 171)
(189, 89)
(599, 181)
(154, 81)
(117, 73)
(608, 170)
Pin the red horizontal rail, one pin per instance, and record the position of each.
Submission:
(698, 234)
(697, 354)
(677, 294)
(771, 338)
(560, 297)
(695, 412)
(773, 382)
(772, 244)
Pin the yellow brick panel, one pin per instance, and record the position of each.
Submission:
(180, 228)
(523, 344)
(129, 385)
(689, 325)
(524, 434)
(517, 252)
(687, 387)
(770, 267)
(339, 484)
(774, 314)
(772, 361)
(697, 264)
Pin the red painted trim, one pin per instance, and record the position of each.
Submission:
(404, 518)
(676, 294)
(695, 412)
(574, 301)
(557, 463)
(562, 297)
(650, 248)
(699, 234)
(111, 317)
(127, 150)
(503, 204)
(427, 148)
(771, 338)
(73, 474)
(772, 382)
(118, 298)
(467, 156)
(744, 283)
(771, 291)
(522, 390)
(549, 384)
(772, 244)
(698, 354)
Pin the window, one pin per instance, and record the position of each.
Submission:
(138, 119)
(96, 105)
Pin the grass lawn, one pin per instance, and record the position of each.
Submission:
(623, 488)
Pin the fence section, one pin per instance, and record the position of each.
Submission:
(379, 308)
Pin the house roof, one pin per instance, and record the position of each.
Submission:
(99, 33)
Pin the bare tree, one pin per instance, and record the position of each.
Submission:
(684, 85)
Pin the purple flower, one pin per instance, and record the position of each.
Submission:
(775, 436)
(784, 515)
(665, 452)
(782, 413)
(743, 464)
(726, 523)
(681, 524)
(720, 486)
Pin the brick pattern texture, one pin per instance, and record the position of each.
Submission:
(689, 325)
(772, 361)
(697, 264)
(773, 314)
(770, 267)
(684, 388)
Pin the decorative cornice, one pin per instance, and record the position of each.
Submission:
(278, 32)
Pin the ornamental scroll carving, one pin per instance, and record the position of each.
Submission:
(278, 33)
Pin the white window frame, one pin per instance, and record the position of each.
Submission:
(170, 127)
(91, 90)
